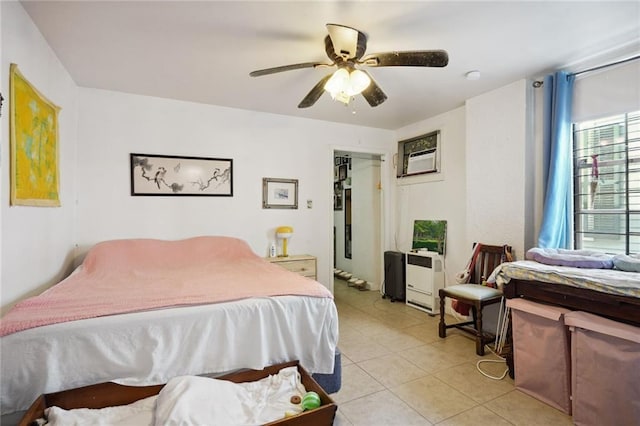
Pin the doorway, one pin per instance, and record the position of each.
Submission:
(358, 219)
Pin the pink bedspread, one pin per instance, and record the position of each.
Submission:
(125, 276)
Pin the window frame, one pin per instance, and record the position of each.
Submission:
(629, 212)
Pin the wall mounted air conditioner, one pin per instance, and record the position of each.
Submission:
(422, 161)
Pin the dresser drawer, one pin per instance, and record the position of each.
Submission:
(302, 267)
(300, 264)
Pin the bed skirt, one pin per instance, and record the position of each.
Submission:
(331, 383)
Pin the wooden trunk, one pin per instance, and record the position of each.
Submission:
(112, 394)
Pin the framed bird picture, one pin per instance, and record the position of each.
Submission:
(174, 175)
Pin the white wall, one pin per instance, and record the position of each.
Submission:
(37, 242)
(500, 197)
(496, 167)
(483, 190)
(113, 125)
(439, 196)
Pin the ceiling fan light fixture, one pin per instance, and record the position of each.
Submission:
(345, 47)
(343, 85)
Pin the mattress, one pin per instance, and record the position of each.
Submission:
(609, 281)
(151, 347)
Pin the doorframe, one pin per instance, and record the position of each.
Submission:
(385, 182)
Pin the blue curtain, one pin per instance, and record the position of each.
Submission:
(556, 230)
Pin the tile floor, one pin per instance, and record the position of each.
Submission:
(397, 371)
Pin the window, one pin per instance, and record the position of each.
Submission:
(606, 158)
(425, 158)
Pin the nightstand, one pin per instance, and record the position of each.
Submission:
(302, 264)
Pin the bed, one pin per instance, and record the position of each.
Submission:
(139, 312)
(609, 293)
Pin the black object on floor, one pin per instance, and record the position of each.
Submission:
(394, 275)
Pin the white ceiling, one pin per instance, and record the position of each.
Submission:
(203, 51)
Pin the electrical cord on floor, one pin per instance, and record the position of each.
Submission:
(501, 332)
(501, 360)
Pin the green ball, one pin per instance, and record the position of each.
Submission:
(310, 400)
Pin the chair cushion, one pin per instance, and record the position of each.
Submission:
(472, 292)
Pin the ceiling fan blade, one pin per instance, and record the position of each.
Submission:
(348, 43)
(331, 51)
(373, 93)
(414, 58)
(274, 70)
(315, 93)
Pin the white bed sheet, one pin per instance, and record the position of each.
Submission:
(145, 348)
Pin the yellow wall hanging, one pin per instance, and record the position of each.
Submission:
(33, 121)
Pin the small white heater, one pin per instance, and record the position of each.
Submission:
(425, 277)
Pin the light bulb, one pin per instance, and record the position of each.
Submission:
(337, 82)
(359, 81)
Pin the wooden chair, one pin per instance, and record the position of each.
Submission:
(486, 258)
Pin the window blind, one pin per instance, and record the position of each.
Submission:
(605, 93)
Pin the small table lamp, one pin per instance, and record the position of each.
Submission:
(283, 233)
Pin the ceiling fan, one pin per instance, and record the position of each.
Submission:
(345, 47)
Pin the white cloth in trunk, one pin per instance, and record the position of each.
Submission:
(191, 400)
